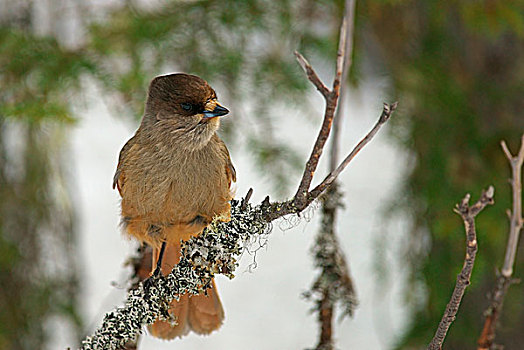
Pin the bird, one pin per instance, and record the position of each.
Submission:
(174, 177)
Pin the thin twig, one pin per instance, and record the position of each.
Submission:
(487, 337)
(516, 219)
(331, 98)
(348, 59)
(468, 216)
(334, 270)
(384, 117)
(246, 199)
(279, 209)
(346, 31)
(312, 75)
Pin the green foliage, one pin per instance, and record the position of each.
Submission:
(39, 76)
(457, 66)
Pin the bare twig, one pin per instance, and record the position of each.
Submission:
(331, 98)
(279, 209)
(246, 199)
(487, 336)
(342, 52)
(312, 75)
(384, 117)
(468, 214)
(333, 285)
(348, 59)
(516, 219)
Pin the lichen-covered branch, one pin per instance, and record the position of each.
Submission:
(334, 285)
(504, 280)
(468, 214)
(214, 251)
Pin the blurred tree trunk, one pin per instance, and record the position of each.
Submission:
(39, 282)
(38, 267)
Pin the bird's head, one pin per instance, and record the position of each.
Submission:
(185, 106)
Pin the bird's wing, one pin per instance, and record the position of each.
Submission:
(230, 170)
(119, 177)
(231, 173)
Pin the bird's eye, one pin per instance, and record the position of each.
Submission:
(186, 106)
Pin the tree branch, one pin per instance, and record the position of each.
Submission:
(504, 280)
(279, 209)
(214, 251)
(331, 98)
(516, 218)
(468, 216)
(312, 75)
(333, 285)
(384, 117)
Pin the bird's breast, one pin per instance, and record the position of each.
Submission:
(175, 185)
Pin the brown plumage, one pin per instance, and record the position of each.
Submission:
(174, 176)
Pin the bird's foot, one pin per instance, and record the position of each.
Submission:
(148, 283)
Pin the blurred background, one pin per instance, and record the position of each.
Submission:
(73, 81)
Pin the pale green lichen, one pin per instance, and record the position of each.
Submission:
(333, 281)
(214, 251)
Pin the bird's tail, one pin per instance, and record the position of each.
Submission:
(201, 314)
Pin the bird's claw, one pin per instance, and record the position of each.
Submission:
(148, 283)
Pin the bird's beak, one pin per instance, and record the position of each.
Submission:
(213, 110)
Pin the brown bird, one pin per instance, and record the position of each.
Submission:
(174, 176)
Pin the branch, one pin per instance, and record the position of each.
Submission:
(468, 216)
(384, 117)
(333, 285)
(487, 336)
(350, 13)
(214, 251)
(331, 98)
(279, 209)
(312, 75)
(516, 218)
